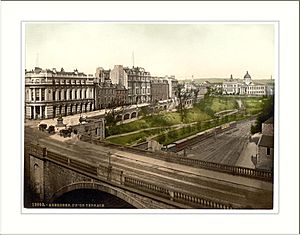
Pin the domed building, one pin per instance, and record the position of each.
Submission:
(247, 79)
(243, 87)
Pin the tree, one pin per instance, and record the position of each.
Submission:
(144, 111)
(182, 96)
(267, 112)
(110, 119)
(196, 92)
(208, 93)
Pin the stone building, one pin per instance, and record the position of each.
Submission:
(243, 87)
(159, 89)
(265, 156)
(102, 75)
(108, 95)
(51, 93)
(139, 88)
(104, 95)
(231, 86)
(121, 95)
(119, 76)
(136, 80)
(173, 83)
(92, 127)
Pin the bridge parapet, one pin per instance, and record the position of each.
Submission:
(176, 196)
(174, 158)
(123, 180)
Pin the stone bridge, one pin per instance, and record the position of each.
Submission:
(53, 169)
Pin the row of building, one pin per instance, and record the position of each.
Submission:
(245, 87)
(50, 93)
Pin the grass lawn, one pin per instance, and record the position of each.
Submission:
(201, 112)
(220, 104)
(135, 138)
(174, 135)
(253, 105)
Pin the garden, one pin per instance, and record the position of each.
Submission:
(167, 127)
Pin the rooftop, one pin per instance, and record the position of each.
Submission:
(247, 75)
(270, 121)
(266, 141)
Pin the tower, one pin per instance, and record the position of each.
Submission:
(247, 78)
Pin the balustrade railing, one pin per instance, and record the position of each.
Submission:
(176, 196)
(134, 183)
(172, 157)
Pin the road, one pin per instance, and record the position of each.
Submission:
(225, 148)
(215, 185)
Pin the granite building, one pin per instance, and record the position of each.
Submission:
(139, 88)
(243, 87)
(159, 89)
(108, 95)
(51, 93)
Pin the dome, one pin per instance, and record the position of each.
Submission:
(247, 75)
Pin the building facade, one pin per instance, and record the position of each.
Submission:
(173, 83)
(231, 86)
(119, 76)
(102, 75)
(51, 93)
(92, 127)
(243, 87)
(108, 95)
(121, 95)
(265, 158)
(139, 87)
(159, 89)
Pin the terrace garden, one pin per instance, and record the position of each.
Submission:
(167, 127)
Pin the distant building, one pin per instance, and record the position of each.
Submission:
(243, 87)
(51, 93)
(265, 157)
(159, 89)
(173, 83)
(270, 88)
(231, 86)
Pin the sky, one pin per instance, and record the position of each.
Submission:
(185, 50)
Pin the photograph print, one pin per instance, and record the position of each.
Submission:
(149, 115)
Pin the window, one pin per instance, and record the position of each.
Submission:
(268, 151)
(43, 94)
(32, 95)
(37, 94)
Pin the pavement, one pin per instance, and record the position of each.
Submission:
(245, 157)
